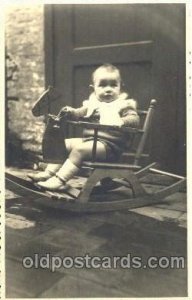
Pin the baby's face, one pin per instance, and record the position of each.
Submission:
(106, 85)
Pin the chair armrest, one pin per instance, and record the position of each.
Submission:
(98, 126)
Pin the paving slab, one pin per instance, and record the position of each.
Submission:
(17, 247)
(183, 220)
(27, 282)
(159, 213)
(14, 241)
(21, 224)
(130, 218)
(120, 283)
(109, 278)
(72, 287)
(177, 202)
(82, 223)
(13, 292)
(122, 239)
(71, 242)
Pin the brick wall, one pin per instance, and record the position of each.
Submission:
(24, 42)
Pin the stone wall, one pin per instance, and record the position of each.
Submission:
(24, 43)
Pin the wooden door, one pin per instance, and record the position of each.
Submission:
(140, 39)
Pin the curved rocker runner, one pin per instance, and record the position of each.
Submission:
(81, 201)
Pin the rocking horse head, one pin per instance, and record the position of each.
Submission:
(43, 105)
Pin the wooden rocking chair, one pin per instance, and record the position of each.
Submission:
(113, 175)
(107, 177)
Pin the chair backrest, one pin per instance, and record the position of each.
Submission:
(138, 149)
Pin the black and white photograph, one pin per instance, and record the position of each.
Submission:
(96, 195)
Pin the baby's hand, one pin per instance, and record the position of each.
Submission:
(66, 111)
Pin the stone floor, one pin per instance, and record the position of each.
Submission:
(41, 232)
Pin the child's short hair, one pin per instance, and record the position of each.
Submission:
(107, 67)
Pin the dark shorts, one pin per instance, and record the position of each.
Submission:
(112, 153)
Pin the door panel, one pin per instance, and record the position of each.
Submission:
(109, 24)
(86, 36)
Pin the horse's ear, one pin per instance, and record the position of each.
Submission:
(43, 104)
(37, 110)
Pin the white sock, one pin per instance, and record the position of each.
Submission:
(67, 171)
(52, 168)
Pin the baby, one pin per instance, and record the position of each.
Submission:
(113, 108)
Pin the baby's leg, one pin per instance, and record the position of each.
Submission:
(81, 151)
(70, 144)
(52, 168)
